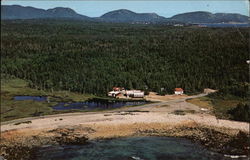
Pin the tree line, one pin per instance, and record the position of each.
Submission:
(94, 57)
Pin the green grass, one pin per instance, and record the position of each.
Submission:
(11, 109)
(20, 87)
(203, 102)
(219, 106)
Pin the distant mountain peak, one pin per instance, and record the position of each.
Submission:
(62, 12)
(61, 9)
(20, 12)
(207, 17)
(123, 11)
(120, 16)
(127, 16)
(118, 12)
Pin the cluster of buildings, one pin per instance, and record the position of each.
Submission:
(120, 91)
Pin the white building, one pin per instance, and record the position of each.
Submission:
(113, 93)
(128, 93)
(134, 93)
(178, 91)
(138, 95)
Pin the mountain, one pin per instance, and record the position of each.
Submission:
(60, 12)
(231, 17)
(120, 16)
(207, 17)
(127, 16)
(20, 12)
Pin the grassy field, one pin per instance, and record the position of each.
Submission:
(11, 109)
(218, 106)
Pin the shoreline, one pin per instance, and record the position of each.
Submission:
(230, 141)
(23, 141)
(20, 138)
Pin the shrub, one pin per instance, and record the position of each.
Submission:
(240, 113)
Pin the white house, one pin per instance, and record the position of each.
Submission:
(134, 93)
(113, 93)
(138, 95)
(178, 91)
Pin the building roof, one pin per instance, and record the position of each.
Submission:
(115, 92)
(117, 88)
(178, 89)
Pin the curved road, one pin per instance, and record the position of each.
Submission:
(109, 111)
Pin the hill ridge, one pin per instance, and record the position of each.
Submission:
(120, 15)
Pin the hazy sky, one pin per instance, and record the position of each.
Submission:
(165, 8)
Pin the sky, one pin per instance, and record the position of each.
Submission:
(166, 8)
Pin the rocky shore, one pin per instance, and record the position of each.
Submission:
(23, 147)
(21, 138)
(22, 144)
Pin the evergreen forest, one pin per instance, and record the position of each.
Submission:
(88, 57)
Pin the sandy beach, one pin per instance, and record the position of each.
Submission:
(125, 117)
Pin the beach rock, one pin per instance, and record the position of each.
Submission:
(212, 139)
(238, 145)
(71, 140)
(70, 136)
(18, 152)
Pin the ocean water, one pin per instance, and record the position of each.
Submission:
(133, 148)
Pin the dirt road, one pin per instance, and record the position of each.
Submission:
(161, 112)
(147, 107)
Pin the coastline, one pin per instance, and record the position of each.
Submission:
(222, 136)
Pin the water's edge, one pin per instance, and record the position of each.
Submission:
(213, 140)
(129, 148)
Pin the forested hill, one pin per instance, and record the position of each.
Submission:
(20, 12)
(127, 16)
(120, 16)
(92, 58)
(207, 17)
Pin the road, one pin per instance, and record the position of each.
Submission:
(124, 109)
(161, 103)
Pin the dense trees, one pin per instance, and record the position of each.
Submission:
(240, 113)
(93, 57)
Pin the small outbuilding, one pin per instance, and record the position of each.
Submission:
(113, 93)
(138, 95)
(178, 91)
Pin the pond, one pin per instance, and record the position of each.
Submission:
(133, 148)
(94, 104)
(33, 98)
(91, 105)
